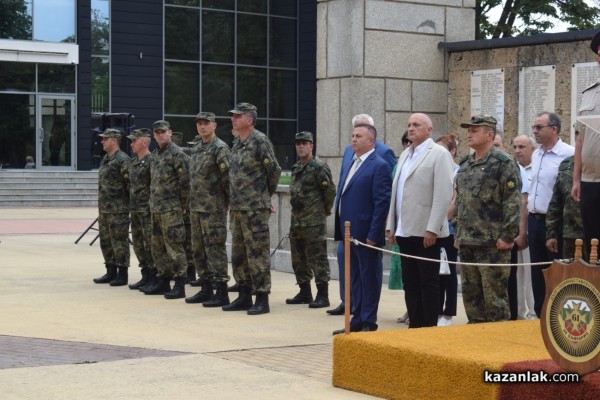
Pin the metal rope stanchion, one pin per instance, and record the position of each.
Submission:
(347, 277)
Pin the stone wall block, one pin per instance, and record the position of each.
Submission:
(393, 16)
(345, 38)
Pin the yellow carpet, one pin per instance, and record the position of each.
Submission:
(429, 363)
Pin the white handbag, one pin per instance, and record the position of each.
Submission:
(444, 266)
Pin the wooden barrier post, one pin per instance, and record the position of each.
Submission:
(347, 277)
(594, 252)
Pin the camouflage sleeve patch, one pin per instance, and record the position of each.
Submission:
(222, 166)
(180, 170)
(324, 184)
(511, 184)
(266, 162)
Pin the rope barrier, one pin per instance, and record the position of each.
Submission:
(359, 243)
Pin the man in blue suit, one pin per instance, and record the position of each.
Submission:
(389, 157)
(363, 198)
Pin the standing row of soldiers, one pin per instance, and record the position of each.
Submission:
(166, 190)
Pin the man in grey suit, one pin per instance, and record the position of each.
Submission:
(421, 194)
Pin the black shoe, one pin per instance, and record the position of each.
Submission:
(339, 310)
(111, 273)
(159, 286)
(178, 291)
(196, 283)
(121, 278)
(143, 281)
(353, 328)
(261, 305)
(369, 327)
(322, 298)
(242, 303)
(203, 295)
(234, 288)
(220, 298)
(303, 297)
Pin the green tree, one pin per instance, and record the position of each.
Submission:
(530, 17)
(15, 20)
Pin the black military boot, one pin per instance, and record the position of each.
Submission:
(220, 298)
(203, 295)
(322, 298)
(111, 273)
(234, 288)
(121, 278)
(191, 274)
(261, 305)
(178, 291)
(150, 281)
(242, 303)
(303, 297)
(160, 285)
(141, 282)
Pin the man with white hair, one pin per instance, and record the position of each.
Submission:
(388, 155)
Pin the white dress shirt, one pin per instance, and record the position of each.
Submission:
(544, 171)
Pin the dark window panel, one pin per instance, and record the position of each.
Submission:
(217, 88)
(282, 94)
(18, 77)
(282, 135)
(185, 125)
(252, 88)
(100, 84)
(255, 6)
(282, 36)
(223, 130)
(219, 4)
(56, 78)
(252, 40)
(191, 3)
(182, 33)
(286, 8)
(218, 36)
(17, 129)
(181, 88)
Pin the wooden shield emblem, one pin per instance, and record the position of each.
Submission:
(570, 318)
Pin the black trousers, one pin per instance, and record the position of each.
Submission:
(536, 232)
(421, 281)
(589, 205)
(449, 283)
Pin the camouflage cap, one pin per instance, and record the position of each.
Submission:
(243, 108)
(304, 135)
(138, 133)
(111, 133)
(481, 120)
(595, 43)
(206, 115)
(161, 125)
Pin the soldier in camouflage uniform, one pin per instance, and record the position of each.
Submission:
(169, 204)
(139, 204)
(563, 217)
(177, 139)
(486, 217)
(254, 175)
(113, 207)
(312, 193)
(209, 177)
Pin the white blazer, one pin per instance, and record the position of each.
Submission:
(427, 193)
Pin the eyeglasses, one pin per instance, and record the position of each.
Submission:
(539, 127)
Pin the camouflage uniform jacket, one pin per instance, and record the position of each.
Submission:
(113, 183)
(563, 215)
(488, 202)
(139, 183)
(170, 183)
(209, 170)
(254, 173)
(312, 193)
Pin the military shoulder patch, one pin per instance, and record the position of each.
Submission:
(511, 184)
(266, 161)
(180, 170)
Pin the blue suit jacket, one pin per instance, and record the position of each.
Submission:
(366, 200)
(381, 149)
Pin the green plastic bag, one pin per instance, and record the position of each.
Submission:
(395, 281)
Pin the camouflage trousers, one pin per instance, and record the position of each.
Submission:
(114, 238)
(309, 254)
(187, 245)
(485, 288)
(209, 232)
(141, 235)
(250, 243)
(168, 238)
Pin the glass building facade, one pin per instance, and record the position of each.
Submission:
(155, 59)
